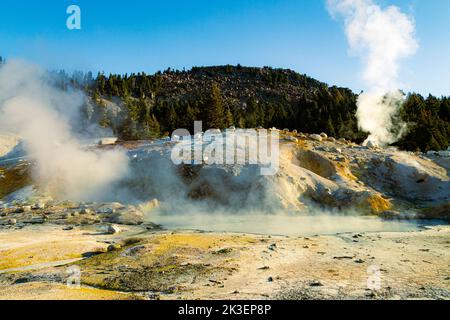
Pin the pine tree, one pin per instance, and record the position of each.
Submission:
(229, 121)
(215, 110)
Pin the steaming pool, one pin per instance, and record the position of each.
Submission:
(288, 225)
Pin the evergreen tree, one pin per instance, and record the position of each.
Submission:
(215, 110)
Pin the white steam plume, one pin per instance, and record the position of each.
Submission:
(42, 116)
(381, 38)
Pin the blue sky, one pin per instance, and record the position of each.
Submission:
(138, 35)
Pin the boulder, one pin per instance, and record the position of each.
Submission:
(371, 144)
(114, 247)
(324, 135)
(86, 211)
(107, 141)
(128, 216)
(291, 138)
(316, 137)
(39, 206)
(111, 229)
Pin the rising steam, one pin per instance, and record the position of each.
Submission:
(44, 116)
(381, 38)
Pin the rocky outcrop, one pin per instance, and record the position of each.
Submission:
(324, 175)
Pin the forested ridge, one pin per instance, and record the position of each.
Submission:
(143, 106)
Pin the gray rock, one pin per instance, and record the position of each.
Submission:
(37, 220)
(316, 137)
(12, 222)
(291, 138)
(315, 283)
(38, 206)
(133, 251)
(129, 216)
(86, 211)
(114, 247)
(112, 229)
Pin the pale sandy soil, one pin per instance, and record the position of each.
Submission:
(197, 265)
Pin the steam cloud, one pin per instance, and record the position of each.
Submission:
(43, 117)
(381, 38)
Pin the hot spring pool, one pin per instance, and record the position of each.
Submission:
(288, 225)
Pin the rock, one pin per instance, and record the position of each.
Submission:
(107, 141)
(294, 131)
(114, 247)
(75, 213)
(68, 228)
(67, 215)
(111, 229)
(85, 211)
(3, 213)
(37, 220)
(391, 215)
(18, 210)
(316, 137)
(272, 247)
(129, 216)
(12, 222)
(270, 279)
(359, 261)
(39, 206)
(153, 296)
(133, 251)
(26, 208)
(291, 138)
(371, 144)
(315, 283)
(331, 139)
(223, 251)
(324, 135)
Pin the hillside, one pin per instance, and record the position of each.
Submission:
(140, 106)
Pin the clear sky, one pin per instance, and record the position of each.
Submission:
(138, 35)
